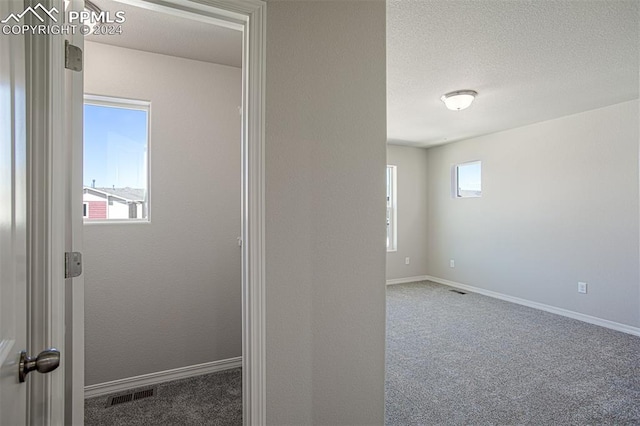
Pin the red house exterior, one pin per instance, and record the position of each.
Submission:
(95, 209)
(113, 203)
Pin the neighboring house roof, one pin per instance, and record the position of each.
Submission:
(126, 194)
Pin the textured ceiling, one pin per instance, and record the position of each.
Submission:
(529, 61)
(157, 32)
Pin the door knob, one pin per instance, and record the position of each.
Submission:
(46, 361)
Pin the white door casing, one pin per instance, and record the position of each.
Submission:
(36, 201)
(49, 137)
(249, 17)
(54, 399)
(13, 222)
(72, 94)
(35, 141)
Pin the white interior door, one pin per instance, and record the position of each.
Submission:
(37, 304)
(13, 222)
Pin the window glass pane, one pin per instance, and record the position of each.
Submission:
(115, 161)
(391, 209)
(469, 179)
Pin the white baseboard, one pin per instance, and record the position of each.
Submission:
(548, 308)
(161, 376)
(407, 280)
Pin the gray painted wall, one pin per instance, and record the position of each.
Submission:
(559, 205)
(168, 294)
(325, 212)
(412, 199)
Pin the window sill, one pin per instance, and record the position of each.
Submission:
(115, 221)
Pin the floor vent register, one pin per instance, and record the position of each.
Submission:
(131, 396)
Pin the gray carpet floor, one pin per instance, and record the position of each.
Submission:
(468, 359)
(212, 399)
(452, 359)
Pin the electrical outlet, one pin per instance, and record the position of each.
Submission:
(452, 263)
(582, 287)
(407, 260)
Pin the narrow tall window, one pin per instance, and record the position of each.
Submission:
(392, 209)
(116, 148)
(468, 179)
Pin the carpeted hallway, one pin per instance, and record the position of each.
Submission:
(456, 359)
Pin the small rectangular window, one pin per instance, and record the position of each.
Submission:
(468, 179)
(116, 155)
(85, 209)
(392, 209)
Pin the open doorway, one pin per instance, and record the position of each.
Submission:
(162, 216)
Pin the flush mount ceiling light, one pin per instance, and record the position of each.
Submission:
(459, 100)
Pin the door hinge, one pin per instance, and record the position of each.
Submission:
(72, 57)
(72, 264)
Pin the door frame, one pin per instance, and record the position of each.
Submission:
(47, 226)
(248, 16)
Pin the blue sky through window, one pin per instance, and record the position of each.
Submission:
(115, 146)
(470, 176)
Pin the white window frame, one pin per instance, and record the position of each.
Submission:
(455, 181)
(135, 104)
(392, 208)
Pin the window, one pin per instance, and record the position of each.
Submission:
(468, 179)
(116, 148)
(85, 209)
(392, 208)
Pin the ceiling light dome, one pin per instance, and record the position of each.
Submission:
(459, 100)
